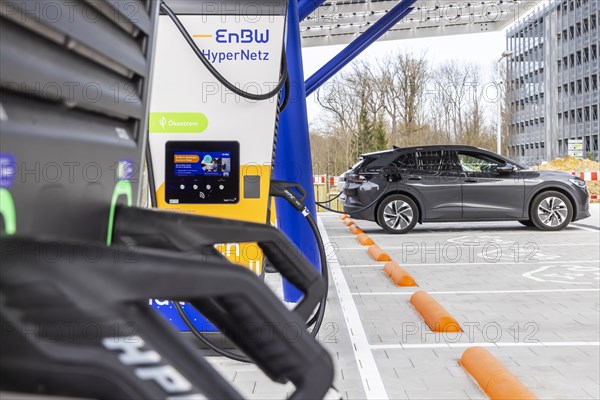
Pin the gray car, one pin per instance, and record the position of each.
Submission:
(398, 188)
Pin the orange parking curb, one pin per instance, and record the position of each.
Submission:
(434, 315)
(496, 381)
(344, 216)
(401, 277)
(348, 221)
(388, 268)
(377, 254)
(365, 239)
(355, 229)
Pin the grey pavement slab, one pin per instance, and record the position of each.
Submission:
(532, 297)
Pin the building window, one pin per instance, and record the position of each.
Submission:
(593, 22)
(586, 84)
(579, 115)
(594, 79)
(578, 57)
(586, 25)
(586, 54)
(594, 52)
(595, 112)
(579, 86)
(586, 114)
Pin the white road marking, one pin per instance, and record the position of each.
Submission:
(585, 228)
(407, 346)
(473, 264)
(369, 373)
(524, 291)
(384, 247)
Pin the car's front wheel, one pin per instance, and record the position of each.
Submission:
(397, 214)
(551, 211)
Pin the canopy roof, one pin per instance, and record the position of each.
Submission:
(340, 22)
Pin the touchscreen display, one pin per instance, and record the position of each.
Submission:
(194, 163)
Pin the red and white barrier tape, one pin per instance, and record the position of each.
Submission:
(586, 176)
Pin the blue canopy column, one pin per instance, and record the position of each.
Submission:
(293, 159)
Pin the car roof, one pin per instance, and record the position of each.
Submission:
(428, 147)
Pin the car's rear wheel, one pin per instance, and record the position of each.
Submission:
(551, 211)
(397, 214)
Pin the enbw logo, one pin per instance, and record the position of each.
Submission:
(243, 36)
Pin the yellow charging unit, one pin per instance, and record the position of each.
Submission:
(212, 149)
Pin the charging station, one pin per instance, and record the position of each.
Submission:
(212, 149)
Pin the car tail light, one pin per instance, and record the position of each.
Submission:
(355, 178)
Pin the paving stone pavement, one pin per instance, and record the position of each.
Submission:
(532, 298)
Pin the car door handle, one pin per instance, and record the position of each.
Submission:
(470, 180)
(414, 178)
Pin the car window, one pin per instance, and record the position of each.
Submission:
(438, 160)
(406, 160)
(379, 161)
(470, 162)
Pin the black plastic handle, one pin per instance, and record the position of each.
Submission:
(284, 189)
(198, 235)
(232, 297)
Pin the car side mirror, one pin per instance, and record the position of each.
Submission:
(506, 169)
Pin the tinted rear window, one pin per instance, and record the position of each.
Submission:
(438, 160)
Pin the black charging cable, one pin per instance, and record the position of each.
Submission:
(384, 193)
(295, 194)
(251, 96)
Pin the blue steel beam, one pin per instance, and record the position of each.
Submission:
(307, 7)
(292, 158)
(378, 29)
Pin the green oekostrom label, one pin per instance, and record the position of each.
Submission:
(177, 122)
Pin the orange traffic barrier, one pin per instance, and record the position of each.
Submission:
(493, 377)
(364, 239)
(399, 275)
(355, 229)
(377, 254)
(344, 216)
(434, 315)
(388, 268)
(348, 221)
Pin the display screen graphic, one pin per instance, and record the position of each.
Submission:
(193, 163)
(202, 172)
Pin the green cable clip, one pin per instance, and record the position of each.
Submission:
(122, 188)
(8, 212)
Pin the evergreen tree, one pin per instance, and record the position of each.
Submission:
(364, 138)
(381, 140)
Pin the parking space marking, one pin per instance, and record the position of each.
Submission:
(482, 245)
(473, 264)
(479, 292)
(408, 346)
(367, 367)
(565, 273)
(586, 228)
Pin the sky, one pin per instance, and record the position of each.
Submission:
(480, 48)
